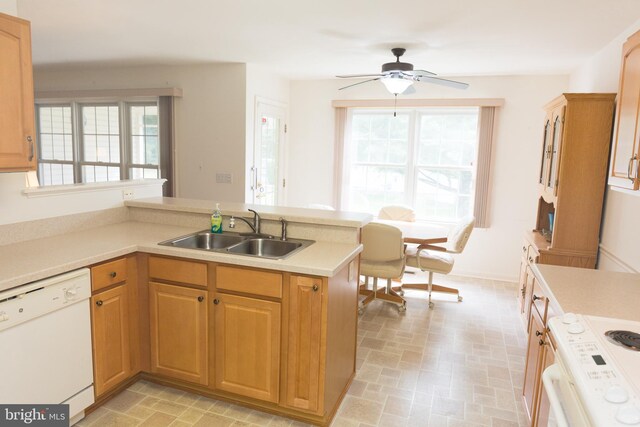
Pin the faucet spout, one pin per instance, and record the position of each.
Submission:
(245, 220)
(256, 221)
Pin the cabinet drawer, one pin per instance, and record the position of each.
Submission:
(532, 255)
(249, 281)
(108, 274)
(539, 301)
(178, 270)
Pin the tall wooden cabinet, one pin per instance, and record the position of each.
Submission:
(573, 171)
(625, 156)
(17, 123)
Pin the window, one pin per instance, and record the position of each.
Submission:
(424, 157)
(98, 142)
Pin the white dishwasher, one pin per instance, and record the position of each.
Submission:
(45, 343)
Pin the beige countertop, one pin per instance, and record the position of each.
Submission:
(37, 259)
(311, 216)
(591, 292)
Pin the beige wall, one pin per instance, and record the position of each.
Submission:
(10, 7)
(619, 250)
(492, 252)
(210, 117)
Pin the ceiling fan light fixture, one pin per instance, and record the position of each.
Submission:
(396, 84)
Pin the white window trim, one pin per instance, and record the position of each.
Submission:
(486, 117)
(54, 190)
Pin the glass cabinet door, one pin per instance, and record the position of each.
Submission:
(546, 141)
(555, 152)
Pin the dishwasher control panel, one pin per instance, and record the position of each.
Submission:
(27, 302)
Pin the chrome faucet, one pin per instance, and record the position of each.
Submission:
(283, 235)
(255, 227)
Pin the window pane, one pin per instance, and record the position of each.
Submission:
(92, 173)
(380, 138)
(373, 187)
(443, 194)
(145, 147)
(144, 173)
(55, 136)
(448, 137)
(55, 174)
(100, 135)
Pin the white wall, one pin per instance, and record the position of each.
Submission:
(620, 234)
(492, 252)
(210, 117)
(261, 83)
(10, 7)
(17, 207)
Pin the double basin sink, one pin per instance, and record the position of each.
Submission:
(258, 245)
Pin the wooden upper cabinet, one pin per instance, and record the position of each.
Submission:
(110, 325)
(178, 326)
(17, 135)
(625, 162)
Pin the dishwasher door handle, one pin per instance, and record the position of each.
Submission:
(551, 374)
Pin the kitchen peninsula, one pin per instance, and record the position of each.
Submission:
(277, 335)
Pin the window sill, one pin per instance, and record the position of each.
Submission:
(54, 190)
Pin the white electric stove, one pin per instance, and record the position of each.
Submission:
(596, 380)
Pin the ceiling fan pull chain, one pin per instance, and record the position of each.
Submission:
(395, 104)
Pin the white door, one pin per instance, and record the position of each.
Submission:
(268, 161)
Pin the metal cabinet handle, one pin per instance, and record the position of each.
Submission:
(216, 301)
(538, 333)
(536, 297)
(523, 291)
(541, 342)
(530, 259)
(315, 288)
(200, 298)
(30, 141)
(99, 303)
(630, 167)
(524, 249)
(113, 274)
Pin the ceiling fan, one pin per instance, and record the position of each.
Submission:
(398, 76)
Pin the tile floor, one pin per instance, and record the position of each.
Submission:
(460, 364)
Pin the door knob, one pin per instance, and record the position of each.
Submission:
(216, 301)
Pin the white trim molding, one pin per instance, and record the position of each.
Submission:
(98, 94)
(55, 190)
(607, 253)
(416, 103)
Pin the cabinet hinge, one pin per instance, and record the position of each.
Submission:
(285, 128)
(284, 182)
(556, 183)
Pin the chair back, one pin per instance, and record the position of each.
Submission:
(397, 213)
(459, 236)
(382, 243)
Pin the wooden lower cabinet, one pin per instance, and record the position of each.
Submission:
(247, 346)
(543, 405)
(111, 347)
(303, 381)
(178, 332)
(534, 353)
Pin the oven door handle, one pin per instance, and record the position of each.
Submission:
(551, 374)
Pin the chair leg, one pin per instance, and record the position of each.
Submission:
(430, 288)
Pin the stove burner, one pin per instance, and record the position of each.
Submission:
(628, 339)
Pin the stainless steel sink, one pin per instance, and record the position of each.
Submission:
(266, 248)
(205, 240)
(239, 244)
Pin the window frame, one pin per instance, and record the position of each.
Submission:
(77, 136)
(411, 166)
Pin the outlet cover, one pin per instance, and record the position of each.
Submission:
(127, 194)
(223, 178)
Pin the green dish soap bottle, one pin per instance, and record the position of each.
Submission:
(216, 220)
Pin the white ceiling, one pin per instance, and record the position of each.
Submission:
(303, 39)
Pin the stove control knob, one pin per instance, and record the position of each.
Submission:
(629, 415)
(616, 394)
(70, 294)
(3, 316)
(575, 328)
(569, 318)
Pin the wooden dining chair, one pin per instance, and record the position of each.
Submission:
(432, 258)
(382, 257)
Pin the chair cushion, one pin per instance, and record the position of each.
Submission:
(438, 262)
(382, 269)
(397, 213)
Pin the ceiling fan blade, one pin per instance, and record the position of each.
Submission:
(359, 83)
(423, 73)
(442, 82)
(354, 76)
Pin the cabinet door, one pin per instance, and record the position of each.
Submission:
(247, 346)
(522, 284)
(110, 327)
(17, 138)
(178, 327)
(546, 149)
(556, 146)
(624, 156)
(304, 339)
(534, 350)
